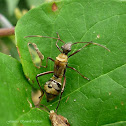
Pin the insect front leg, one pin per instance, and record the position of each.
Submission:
(41, 74)
(77, 72)
(57, 42)
(47, 62)
(62, 90)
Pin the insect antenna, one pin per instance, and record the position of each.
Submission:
(87, 45)
(48, 37)
(93, 44)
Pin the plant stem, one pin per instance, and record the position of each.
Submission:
(7, 31)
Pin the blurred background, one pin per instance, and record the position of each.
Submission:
(10, 12)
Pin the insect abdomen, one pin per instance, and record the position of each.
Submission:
(52, 89)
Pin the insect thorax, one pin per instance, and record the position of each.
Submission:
(60, 65)
(62, 57)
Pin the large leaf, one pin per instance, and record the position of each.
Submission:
(34, 117)
(15, 94)
(101, 100)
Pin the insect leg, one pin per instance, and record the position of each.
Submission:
(47, 62)
(57, 42)
(41, 74)
(48, 37)
(44, 37)
(43, 106)
(62, 90)
(77, 72)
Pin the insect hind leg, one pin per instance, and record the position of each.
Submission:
(78, 72)
(64, 83)
(41, 74)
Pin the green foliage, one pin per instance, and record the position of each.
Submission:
(34, 2)
(8, 47)
(11, 5)
(34, 117)
(15, 91)
(100, 101)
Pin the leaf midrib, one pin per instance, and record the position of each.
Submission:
(88, 83)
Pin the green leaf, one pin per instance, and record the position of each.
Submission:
(15, 93)
(11, 5)
(122, 123)
(8, 47)
(101, 100)
(34, 117)
(14, 90)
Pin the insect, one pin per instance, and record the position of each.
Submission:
(56, 120)
(54, 86)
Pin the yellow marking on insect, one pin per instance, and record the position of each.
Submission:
(62, 57)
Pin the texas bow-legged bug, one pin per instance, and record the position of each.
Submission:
(54, 86)
(56, 120)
